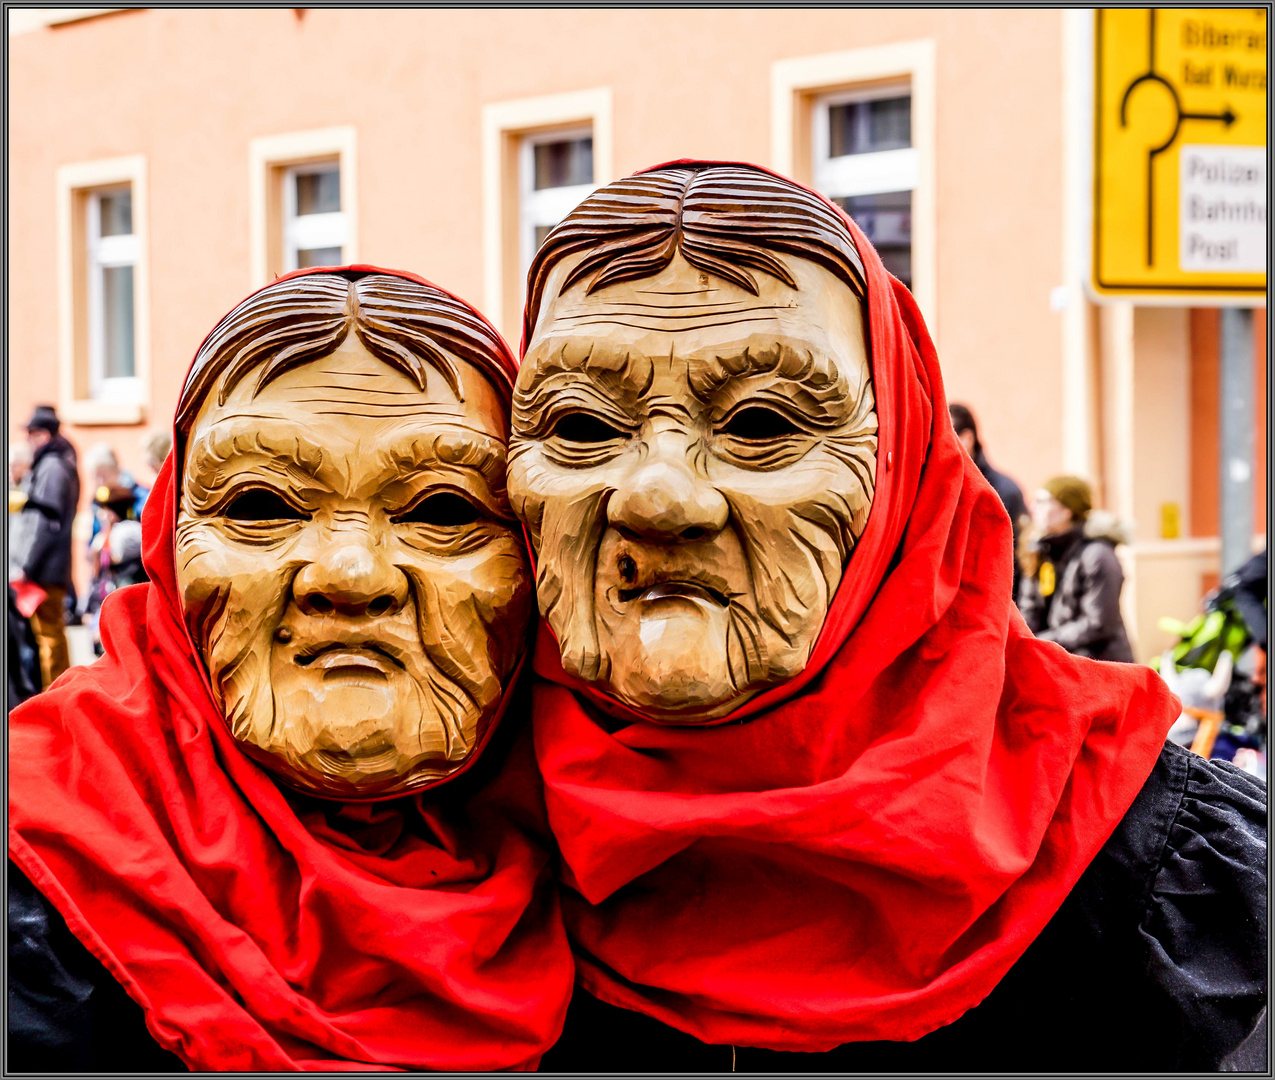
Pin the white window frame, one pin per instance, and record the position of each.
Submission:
(503, 120)
(871, 173)
(797, 80)
(546, 206)
(126, 401)
(303, 232)
(107, 253)
(269, 153)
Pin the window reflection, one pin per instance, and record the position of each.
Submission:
(886, 220)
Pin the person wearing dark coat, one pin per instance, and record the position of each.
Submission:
(24, 666)
(1246, 589)
(1070, 588)
(48, 516)
(1010, 494)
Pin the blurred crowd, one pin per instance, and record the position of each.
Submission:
(1067, 584)
(44, 502)
(1067, 580)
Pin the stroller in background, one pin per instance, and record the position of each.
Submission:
(1218, 669)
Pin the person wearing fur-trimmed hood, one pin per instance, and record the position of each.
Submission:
(1071, 581)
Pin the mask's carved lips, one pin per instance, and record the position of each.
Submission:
(365, 656)
(673, 590)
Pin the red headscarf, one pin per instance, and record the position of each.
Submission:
(871, 851)
(261, 930)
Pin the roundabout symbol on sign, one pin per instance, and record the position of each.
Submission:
(1226, 117)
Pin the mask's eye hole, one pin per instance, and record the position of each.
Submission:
(258, 504)
(584, 428)
(759, 423)
(445, 510)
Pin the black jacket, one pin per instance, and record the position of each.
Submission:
(1155, 962)
(24, 663)
(1012, 498)
(1082, 614)
(50, 512)
(1246, 589)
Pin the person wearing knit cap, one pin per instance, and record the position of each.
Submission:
(1071, 583)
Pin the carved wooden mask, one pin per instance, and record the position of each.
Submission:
(694, 434)
(345, 551)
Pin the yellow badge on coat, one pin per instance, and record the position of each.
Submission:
(1045, 578)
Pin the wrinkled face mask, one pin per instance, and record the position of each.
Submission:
(694, 464)
(350, 572)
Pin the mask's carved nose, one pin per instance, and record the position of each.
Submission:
(664, 500)
(355, 580)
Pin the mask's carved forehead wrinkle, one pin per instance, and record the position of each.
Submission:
(703, 329)
(337, 390)
(350, 413)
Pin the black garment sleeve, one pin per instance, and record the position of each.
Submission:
(1205, 922)
(52, 489)
(1156, 962)
(1033, 607)
(66, 1012)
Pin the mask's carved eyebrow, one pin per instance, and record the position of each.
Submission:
(818, 377)
(459, 448)
(218, 456)
(616, 370)
(217, 447)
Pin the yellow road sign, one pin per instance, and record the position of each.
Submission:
(1180, 153)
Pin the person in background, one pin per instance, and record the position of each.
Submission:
(19, 483)
(24, 663)
(116, 497)
(1069, 592)
(107, 473)
(155, 447)
(53, 495)
(1246, 589)
(19, 468)
(1010, 493)
(125, 551)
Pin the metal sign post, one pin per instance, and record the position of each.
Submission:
(1236, 437)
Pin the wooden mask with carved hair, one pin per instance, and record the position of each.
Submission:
(346, 558)
(694, 434)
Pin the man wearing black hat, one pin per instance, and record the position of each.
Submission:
(49, 513)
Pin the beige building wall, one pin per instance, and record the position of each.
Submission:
(199, 96)
(190, 90)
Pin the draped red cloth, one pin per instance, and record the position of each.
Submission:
(872, 850)
(262, 930)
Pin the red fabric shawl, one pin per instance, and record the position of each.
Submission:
(257, 929)
(871, 851)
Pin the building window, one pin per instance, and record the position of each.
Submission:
(111, 259)
(865, 162)
(103, 292)
(555, 174)
(541, 156)
(303, 201)
(314, 227)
